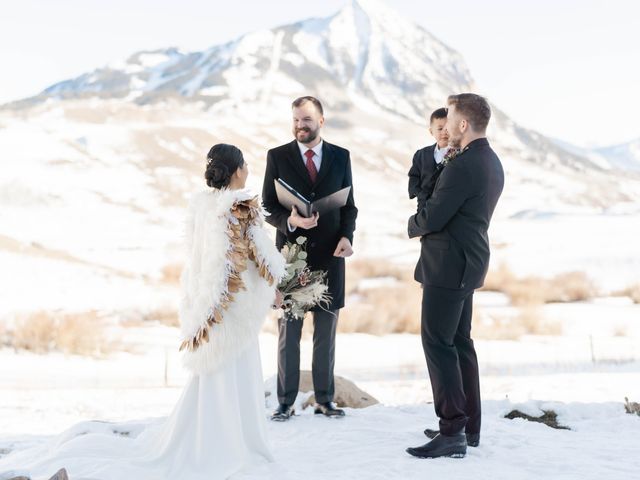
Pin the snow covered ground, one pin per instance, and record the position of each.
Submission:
(43, 395)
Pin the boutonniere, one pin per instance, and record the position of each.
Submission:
(450, 155)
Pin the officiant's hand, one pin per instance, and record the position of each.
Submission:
(344, 248)
(296, 220)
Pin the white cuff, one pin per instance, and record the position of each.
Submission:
(291, 229)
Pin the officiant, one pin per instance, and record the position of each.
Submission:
(315, 168)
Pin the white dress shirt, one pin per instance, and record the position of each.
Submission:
(317, 160)
(317, 154)
(439, 153)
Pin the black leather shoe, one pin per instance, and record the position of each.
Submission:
(473, 439)
(328, 409)
(454, 446)
(283, 413)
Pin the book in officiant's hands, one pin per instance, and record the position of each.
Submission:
(289, 197)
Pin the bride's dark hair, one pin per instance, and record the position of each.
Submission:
(222, 162)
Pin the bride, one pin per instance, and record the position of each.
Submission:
(218, 426)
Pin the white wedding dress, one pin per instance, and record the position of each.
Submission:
(217, 428)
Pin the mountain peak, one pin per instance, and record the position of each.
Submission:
(374, 12)
(372, 8)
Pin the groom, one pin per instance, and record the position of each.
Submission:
(315, 168)
(453, 262)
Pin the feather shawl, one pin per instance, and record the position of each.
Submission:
(229, 280)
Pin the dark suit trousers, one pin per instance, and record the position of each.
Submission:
(451, 358)
(324, 356)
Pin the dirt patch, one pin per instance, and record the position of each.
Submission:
(532, 290)
(166, 316)
(631, 407)
(548, 417)
(528, 320)
(632, 291)
(79, 333)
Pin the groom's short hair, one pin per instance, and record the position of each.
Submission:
(438, 114)
(308, 98)
(474, 108)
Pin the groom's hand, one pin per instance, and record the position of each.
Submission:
(344, 248)
(296, 220)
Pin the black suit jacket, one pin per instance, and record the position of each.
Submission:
(422, 167)
(287, 163)
(453, 223)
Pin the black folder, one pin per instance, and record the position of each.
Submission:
(289, 196)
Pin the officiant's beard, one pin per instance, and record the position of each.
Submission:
(306, 135)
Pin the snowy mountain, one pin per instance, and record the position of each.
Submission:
(96, 169)
(365, 49)
(625, 156)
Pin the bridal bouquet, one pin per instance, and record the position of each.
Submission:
(301, 287)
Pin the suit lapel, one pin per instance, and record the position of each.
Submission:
(298, 163)
(431, 159)
(328, 156)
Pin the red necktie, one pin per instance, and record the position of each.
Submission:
(311, 167)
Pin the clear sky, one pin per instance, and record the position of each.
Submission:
(567, 68)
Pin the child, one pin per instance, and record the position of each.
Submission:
(426, 161)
